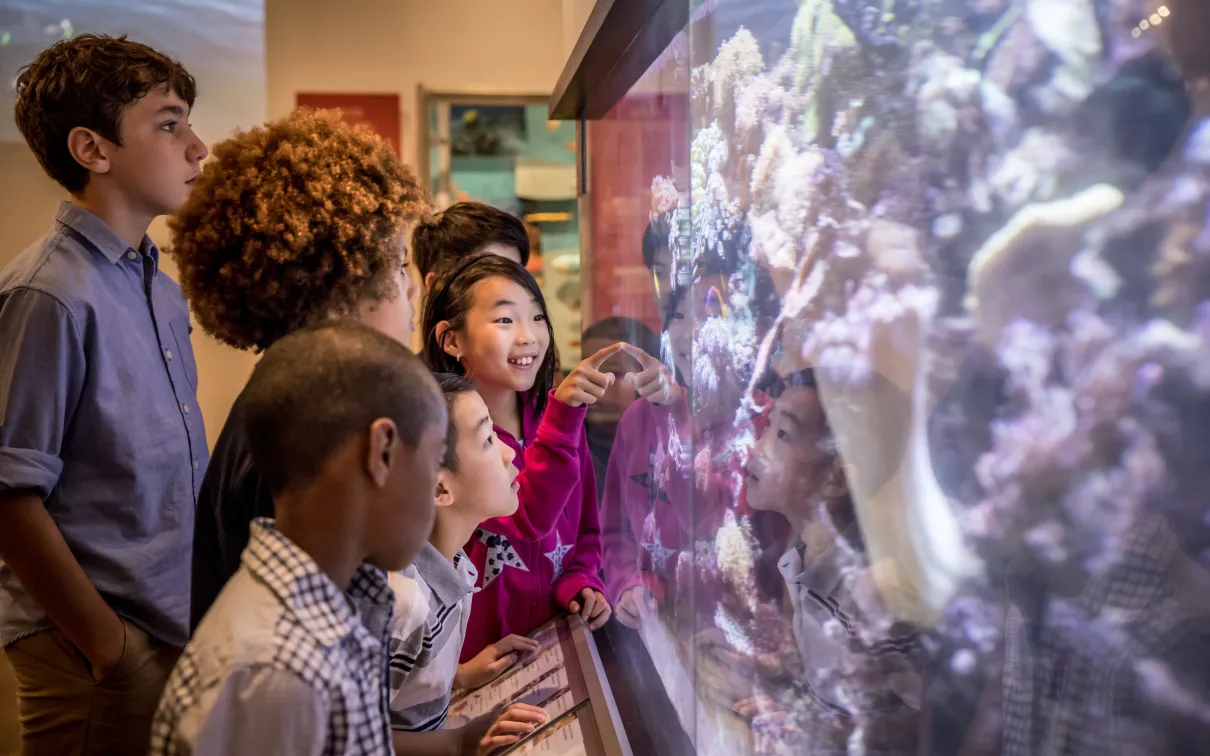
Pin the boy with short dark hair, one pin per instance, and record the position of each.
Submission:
(347, 429)
(477, 482)
(102, 447)
(463, 229)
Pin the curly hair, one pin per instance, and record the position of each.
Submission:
(88, 81)
(290, 223)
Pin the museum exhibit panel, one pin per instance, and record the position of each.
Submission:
(926, 470)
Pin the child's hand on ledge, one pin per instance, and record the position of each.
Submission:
(592, 607)
(497, 730)
(493, 661)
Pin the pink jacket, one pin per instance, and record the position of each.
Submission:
(661, 510)
(531, 565)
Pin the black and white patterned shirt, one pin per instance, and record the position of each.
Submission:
(1076, 676)
(283, 663)
(432, 608)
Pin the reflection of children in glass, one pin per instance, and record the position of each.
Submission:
(604, 415)
(860, 668)
(659, 502)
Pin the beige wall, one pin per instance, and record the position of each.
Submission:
(472, 46)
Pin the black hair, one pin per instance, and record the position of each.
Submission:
(319, 387)
(624, 329)
(452, 386)
(655, 238)
(451, 299)
(464, 229)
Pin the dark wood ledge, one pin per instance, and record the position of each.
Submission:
(620, 41)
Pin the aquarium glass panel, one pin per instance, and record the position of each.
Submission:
(925, 468)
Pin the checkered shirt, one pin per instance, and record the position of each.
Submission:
(1071, 680)
(282, 619)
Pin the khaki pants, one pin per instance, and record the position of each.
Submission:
(64, 712)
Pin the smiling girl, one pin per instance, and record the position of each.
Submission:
(486, 318)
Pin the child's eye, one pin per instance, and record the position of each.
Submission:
(782, 435)
(539, 318)
(491, 440)
(170, 126)
(504, 321)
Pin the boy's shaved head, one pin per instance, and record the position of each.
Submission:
(319, 387)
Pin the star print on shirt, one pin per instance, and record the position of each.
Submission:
(557, 555)
(500, 554)
(655, 545)
(659, 554)
(650, 481)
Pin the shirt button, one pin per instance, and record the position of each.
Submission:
(186, 408)
(168, 352)
(195, 464)
(132, 255)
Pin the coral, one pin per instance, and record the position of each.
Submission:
(1034, 248)
(1068, 28)
(977, 167)
(944, 88)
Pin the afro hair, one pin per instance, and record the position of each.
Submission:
(290, 223)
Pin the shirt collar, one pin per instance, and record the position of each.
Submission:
(451, 582)
(822, 574)
(323, 609)
(98, 233)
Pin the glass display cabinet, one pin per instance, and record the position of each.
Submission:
(930, 282)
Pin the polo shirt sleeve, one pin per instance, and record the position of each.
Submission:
(42, 376)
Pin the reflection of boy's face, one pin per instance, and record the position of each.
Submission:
(708, 301)
(485, 484)
(790, 461)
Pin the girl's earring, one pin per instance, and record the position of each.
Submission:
(458, 358)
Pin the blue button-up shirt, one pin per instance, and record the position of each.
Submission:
(99, 417)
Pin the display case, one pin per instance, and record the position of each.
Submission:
(925, 469)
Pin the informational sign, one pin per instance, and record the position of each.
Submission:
(560, 678)
(381, 112)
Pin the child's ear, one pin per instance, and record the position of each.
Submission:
(449, 341)
(443, 493)
(89, 149)
(381, 454)
(428, 280)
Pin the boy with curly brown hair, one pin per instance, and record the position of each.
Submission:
(291, 224)
(102, 447)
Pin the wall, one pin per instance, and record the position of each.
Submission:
(463, 46)
(472, 46)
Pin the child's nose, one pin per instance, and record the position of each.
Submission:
(525, 334)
